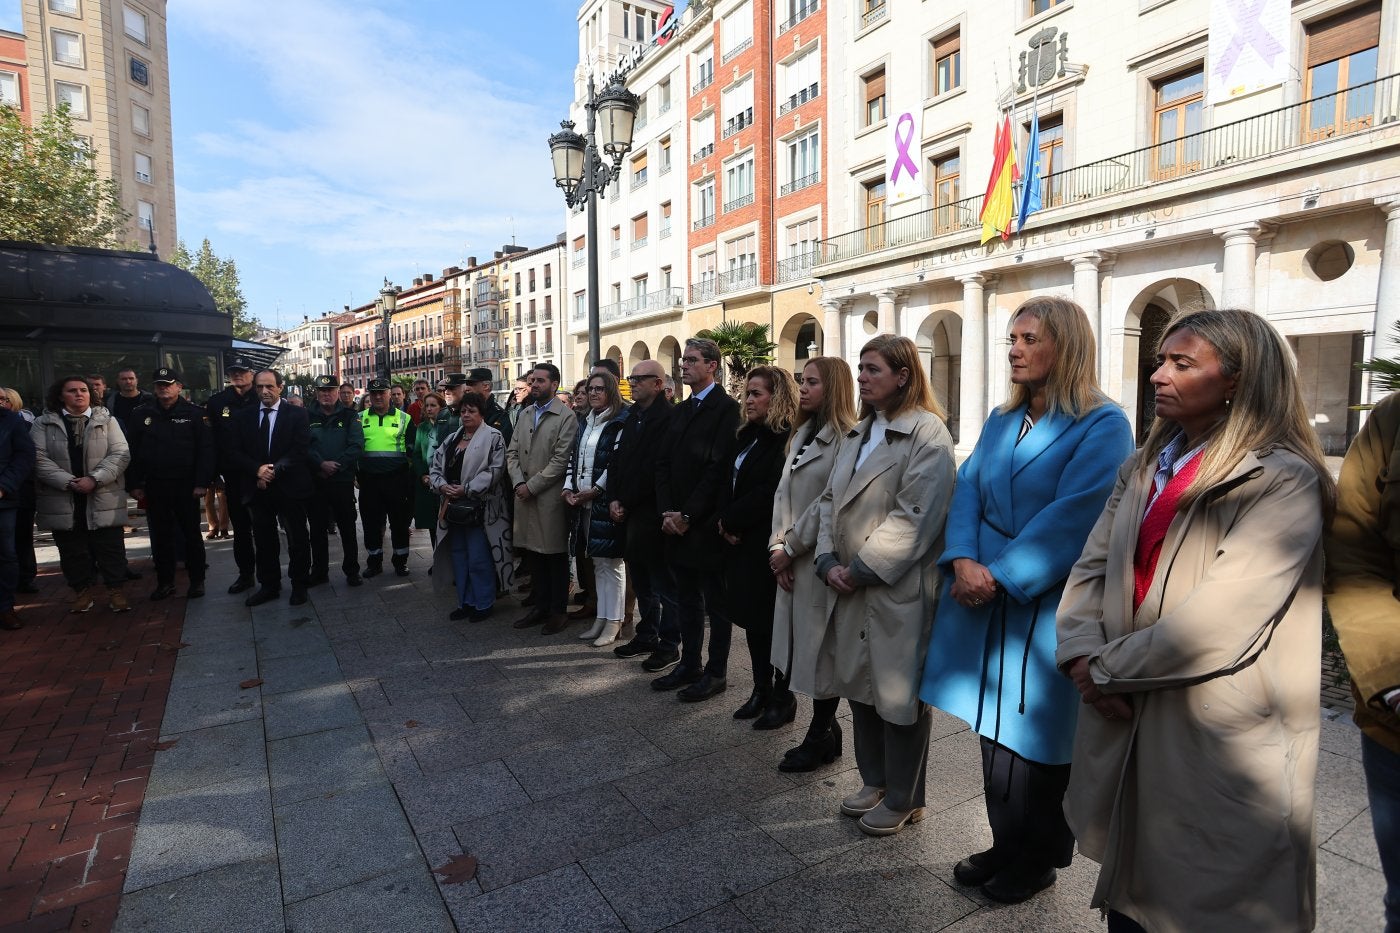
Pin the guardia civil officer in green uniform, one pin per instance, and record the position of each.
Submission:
(337, 443)
(238, 488)
(449, 419)
(480, 381)
(386, 479)
(172, 464)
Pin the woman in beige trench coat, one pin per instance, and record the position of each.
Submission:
(1191, 625)
(881, 527)
(826, 411)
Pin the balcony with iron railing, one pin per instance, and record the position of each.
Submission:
(706, 79)
(702, 222)
(874, 12)
(639, 179)
(702, 152)
(737, 280)
(737, 122)
(547, 349)
(799, 267)
(665, 107)
(664, 232)
(616, 251)
(487, 355)
(804, 11)
(810, 92)
(664, 299)
(1194, 156)
(639, 242)
(733, 53)
(805, 181)
(743, 200)
(487, 326)
(665, 164)
(486, 297)
(580, 260)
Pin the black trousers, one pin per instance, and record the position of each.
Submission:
(173, 514)
(387, 496)
(654, 583)
(700, 592)
(1025, 807)
(269, 508)
(550, 573)
(237, 491)
(333, 502)
(84, 553)
(24, 544)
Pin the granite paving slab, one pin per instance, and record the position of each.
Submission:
(299, 672)
(231, 752)
(557, 769)
(686, 791)
(1350, 897)
(807, 820)
(564, 899)
(319, 763)
(402, 900)
(449, 749)
(195, 830)
(213, 703)
(449, 797)
(303, 711)
(244, 896)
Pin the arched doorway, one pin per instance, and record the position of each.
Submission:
(668, 354)
(939, 339)
(1147, 317)
(639, 353)
(799, 340)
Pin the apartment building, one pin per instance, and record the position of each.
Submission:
(14, 75)
(537, 289)
(1175, 174)
(311, 345)
(424, 334)
(107, 59)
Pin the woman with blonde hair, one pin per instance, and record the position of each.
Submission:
(880, 527)
(749, 470)
(826, 410)
(1191, 626)
(1025, 501)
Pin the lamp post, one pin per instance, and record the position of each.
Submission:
(581, 171)
(387, 301)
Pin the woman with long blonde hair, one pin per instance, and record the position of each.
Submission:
(1191, 626)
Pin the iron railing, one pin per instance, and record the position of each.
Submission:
(639, 242)
(729, 56)
(579, 262)
(810, 92)
(703, 222)
(804, 11)
(487, 326)
(489, 355)
(706, 79)
(873, 14)
(797, 267)
(660, 300)
(742, 201)
(703, 290)
(1353, 110)
(664, 232)
(702, 152)
(737, 122)
(806, 181)
(639, 179)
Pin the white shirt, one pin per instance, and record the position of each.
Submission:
(271, 423)
(874, 438)
(700, 396)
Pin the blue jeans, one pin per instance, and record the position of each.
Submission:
(472, 567)
(1383, 789)
(9, 560)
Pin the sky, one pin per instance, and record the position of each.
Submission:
(326, 144)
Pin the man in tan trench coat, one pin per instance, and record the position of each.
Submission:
(536, 459)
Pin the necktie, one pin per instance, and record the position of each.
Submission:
(267, 430)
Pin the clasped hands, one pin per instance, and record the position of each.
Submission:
(781, 564)
(673, 523)
(1108, 706)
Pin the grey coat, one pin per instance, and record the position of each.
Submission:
(483, 464)
(538, 456)
(105, 458)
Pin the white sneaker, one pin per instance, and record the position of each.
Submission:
(609, 633)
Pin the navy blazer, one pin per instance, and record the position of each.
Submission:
(290, 450)
(686, 480)
(16, 459)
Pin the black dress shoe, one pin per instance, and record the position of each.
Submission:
(242, 584)
(1017, 882)
(133, 574)
(634, 648)
(753, 705)
(661, 659)
(298, 596)
(28, 586)
(196, 589)
(262, 596)
(781, 710)
(678, 678)
(704, 688)
(460, 613)
(162, 591)
(814, 752)
(353, 580)
(980, 867)
(318, 579)
(374, 566)
(533, 617)
(401, 568)
(481, 615)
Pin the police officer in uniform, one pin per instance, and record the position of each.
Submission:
(172, 464)
(221, 409)
(386, 479)
(450, 419)
(479, 381)
(337, 443)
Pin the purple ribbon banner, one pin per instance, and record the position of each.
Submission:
(903, 160)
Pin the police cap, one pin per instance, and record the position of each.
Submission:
(379, 385)
(238, 363)
(325, 382)
(166, 374)
(456, 379)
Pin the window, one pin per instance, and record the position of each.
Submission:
(947, 190)
(705, 204)
(802, 238)
(134, 23)
(549, 307)
(797, 11)
(627, 21)
(140, 120)
(1052, 160)
(799, 80)
(874, 97)
(736, 107)
(145, 215)
(617, 241)
(639, 171)
(666, 278)
(947, 62)
(704, 71)
(579, 258)
(75, 96)
(531, 279)
(665, 155)
(68, 7)
(143, 167)
(1342, 56)
(665, 220)
(1040, 6)
(705, 270)
(9, 88)
(580, 305)
(639, 231)
(67, 48)
(663, 93)
(548, 276)
(616, 292)
(741, 261)
(874, 197)
(640, 121)
(736, 32)
(738, 184)
(872, 11)
(639, 287)
(140, 72)
(1177, 113)
(804, 162)
(702, 131)
(518, 289)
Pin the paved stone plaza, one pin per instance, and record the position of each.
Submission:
(384, 740)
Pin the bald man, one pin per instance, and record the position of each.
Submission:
(633, 481)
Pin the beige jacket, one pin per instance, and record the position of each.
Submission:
(1363, 569)
(1201, 807)
(105, 458)
(538, 457)
(890, 515)
(799, 617)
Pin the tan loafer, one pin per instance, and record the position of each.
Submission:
(862, 801)
(882, 821)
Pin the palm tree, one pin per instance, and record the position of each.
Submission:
(1385, 371)
(742, 346)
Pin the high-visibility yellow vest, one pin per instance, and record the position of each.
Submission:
(386, 436)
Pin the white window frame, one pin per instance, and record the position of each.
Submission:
(130, 14)
(810, 141)
(58, 87)
(136, 125)
(54, 35)
(65, 8)
(9, 88)
(144, 177)
(145, 215)
(739, 178)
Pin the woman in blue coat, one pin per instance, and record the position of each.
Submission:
(1024, 504)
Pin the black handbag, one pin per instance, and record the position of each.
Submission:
(467, 513)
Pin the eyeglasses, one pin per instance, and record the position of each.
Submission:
(636, 379)
(692, 360)
(597, 389)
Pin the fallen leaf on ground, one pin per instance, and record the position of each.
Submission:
(98, 798)
(412, 724)
(109, 646)
(251, 682)
(459, 870)
(162, 746)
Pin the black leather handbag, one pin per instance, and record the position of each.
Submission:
(468, 513)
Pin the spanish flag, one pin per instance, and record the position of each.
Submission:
(998, 204)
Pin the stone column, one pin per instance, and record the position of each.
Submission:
(973, 387)
(1086, 286)
(1388, 286)
(833, 324)
(1237, 286)
(885, 298)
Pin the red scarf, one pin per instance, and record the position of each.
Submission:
(1154, 529)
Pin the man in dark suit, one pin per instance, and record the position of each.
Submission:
(686, 492)
(272, 442)
(634, 502)
(223, 409)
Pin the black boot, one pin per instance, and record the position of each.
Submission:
(781, 708)
(814, 751)
(400, 565)
(754, 705)
(374, 565)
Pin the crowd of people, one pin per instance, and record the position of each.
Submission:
(1134, 633)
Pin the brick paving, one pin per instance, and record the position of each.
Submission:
(81, 702)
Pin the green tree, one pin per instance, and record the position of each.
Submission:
(220, 276)
(742, 346)
(1385, 371)
(52, 193)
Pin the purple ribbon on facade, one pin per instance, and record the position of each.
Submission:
(1249, 33)
(902, 157)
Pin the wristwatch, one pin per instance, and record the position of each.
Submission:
(685, 518)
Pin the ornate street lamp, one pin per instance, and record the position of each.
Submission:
(387, 301)
(581, 171)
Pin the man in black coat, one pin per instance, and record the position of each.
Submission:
(686, 492)
(16, 467)
(222, 409)
(172, 464)
(271, 452)
(634, 502)
(337, 443)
